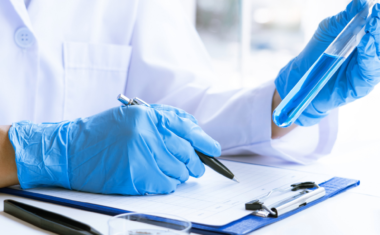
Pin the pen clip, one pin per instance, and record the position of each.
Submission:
(135, 101)
(124, 100)
(139, 101)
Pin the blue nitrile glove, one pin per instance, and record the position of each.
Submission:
(132, 150)
(356, 77)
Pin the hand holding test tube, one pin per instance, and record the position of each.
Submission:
(327, 74)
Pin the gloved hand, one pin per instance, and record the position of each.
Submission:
(132, 150)
(356, 77)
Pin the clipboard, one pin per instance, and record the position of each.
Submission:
(288, 199)
(244, 225)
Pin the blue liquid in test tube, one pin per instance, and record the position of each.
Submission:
(310, 83)
(323, 69)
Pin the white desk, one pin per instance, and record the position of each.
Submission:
(348, 213)
(356, 211)
(353, 212)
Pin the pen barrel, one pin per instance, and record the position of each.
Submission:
(216, 165)
(47, 220)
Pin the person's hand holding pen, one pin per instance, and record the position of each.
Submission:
(129, 150)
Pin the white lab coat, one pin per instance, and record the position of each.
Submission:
(86, 52)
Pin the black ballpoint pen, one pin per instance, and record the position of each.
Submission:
(212, 162)
(48, 220)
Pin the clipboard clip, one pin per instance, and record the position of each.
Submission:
(284, 205)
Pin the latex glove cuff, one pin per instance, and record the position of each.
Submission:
(37, 164)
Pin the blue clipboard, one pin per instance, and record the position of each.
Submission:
(244, 225)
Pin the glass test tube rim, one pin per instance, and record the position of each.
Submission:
(157, 214)
(346, 49)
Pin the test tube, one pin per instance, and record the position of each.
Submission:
(322, 70)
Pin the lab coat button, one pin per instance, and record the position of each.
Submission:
(24, 38)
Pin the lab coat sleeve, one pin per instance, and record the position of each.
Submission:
(303, 145)
(170, 65)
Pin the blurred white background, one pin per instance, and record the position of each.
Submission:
(251, 40)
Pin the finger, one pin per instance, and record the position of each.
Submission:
(143, 171)
(373, 26)
(376, 10)
(184, 152)
(191, 132)
(368, 62)
(353, 8)
(146, 136)
(169, 164)
(177, 111)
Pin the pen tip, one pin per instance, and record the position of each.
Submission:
(235, 180)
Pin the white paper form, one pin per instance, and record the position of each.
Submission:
(211, 199)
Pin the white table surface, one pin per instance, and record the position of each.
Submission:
(357, 211)
(347, 213)
(352, 212)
